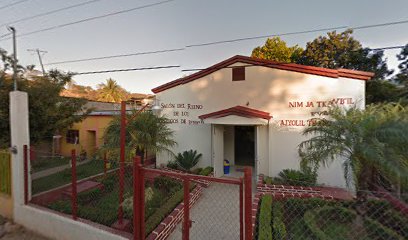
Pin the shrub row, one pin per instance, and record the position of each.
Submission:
(165, 209)
(326, 213)
(294, 178)
(378, 231)
(162, 212)
(383, 212)
(265, 218)
(278, 226)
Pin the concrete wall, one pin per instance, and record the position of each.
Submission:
(59, 227)
(47, 223)
(284, 94)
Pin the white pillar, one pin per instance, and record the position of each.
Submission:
(20, 136)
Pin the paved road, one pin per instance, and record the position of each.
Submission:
(215, 215)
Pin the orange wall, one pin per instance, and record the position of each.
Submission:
(90, 125)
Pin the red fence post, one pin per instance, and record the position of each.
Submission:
(25, 174)
(136, 199)
(186, 216)
(241, 209)
(248, 202)
(74, 202)
(122, 159)
(105, 162)
(142, 201)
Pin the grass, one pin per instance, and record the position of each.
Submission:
(64, 177)
(102, 207)
(46, 163)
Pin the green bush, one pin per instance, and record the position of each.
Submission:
(163, 211)
(378, 231)
(384, 213)
(88, 196)
(196, 171)
(268, 180)
(297, 178)
(167, 184)
(300, 206)
(206, 171)
(278, 226)
(310, 220)
(338, 214)
(188, 159)
(62, 206)
(265, 218)
(172, 165)
(109, 182)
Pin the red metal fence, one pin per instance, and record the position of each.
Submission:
(191, 187)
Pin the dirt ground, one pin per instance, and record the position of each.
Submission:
(23, 234)
(11, 231)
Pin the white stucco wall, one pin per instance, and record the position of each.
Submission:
(265, 89)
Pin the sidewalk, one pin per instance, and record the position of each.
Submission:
(53, 170)
(215, 215)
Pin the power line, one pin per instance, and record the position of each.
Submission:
(49, 12)
(277, 63)
(128, 69)
(161, 51)
(12, 4)
(296, 33)
(264, 36)
(116, 56)
(94, 18)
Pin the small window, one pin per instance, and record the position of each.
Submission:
(72, 136)
(238, 73)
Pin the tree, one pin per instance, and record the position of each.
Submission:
(402, 77)
(145, 133)
(369, 142)
(49, 112)
(275, 49)
(341, 50)
(111, 91)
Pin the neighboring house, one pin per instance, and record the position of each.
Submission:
(87, 136)
(251, 112)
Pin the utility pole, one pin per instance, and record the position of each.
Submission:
(39, 52)
(13, 31)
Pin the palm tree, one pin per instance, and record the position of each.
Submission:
(145, 133)
(369, 142)
(110, 91)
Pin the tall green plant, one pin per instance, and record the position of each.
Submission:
(368, 142)
(145, 133)
(188, 159)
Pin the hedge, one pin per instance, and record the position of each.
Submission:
(327, 213)
(155, 219)
(206, 171)
(265, 218)
(378, 231)
(278, 226)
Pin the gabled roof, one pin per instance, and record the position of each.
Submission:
(333, 73)
(238, 111)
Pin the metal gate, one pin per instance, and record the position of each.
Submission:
(200, 207)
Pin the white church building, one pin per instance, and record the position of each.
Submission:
(252, 112)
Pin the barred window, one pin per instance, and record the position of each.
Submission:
(72, 136)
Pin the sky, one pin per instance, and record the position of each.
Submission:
(179, 23)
